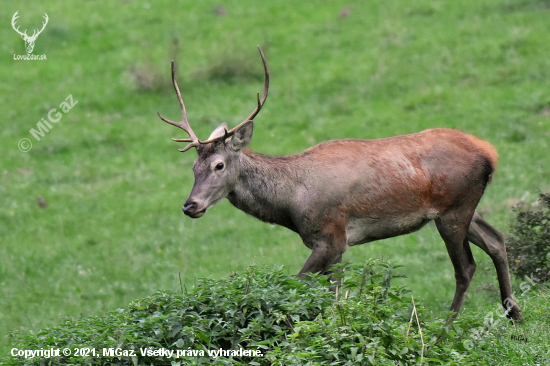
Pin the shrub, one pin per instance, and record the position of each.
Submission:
(242, 311)
(288, 321)
(372, 325)
(528, 244)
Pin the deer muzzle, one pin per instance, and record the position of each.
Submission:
(190, 208)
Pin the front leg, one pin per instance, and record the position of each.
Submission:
(328, 247)
(320, 260)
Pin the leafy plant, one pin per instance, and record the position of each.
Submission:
(371, 325)
(248, 311)
(528, 244)
(285, 321)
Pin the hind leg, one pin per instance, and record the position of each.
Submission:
(491, 241)
(453, 227)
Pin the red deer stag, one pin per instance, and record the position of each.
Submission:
(346, 192)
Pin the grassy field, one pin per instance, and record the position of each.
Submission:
(113, 182)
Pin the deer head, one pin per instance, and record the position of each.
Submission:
(29, 40)
(217, 165)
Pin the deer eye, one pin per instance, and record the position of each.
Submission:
(220, 166)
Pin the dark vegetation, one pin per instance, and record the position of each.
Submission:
(528, 244)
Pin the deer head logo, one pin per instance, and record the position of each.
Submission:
(29, 40)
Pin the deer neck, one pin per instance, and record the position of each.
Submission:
(264, 188)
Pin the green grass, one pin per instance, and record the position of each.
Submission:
(114, 182)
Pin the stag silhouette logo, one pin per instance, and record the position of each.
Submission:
(29, 40)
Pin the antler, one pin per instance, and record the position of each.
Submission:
(35, 34)
(13, 24)
(184, 124)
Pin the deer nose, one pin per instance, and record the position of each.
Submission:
(192, 209)
(189, 207)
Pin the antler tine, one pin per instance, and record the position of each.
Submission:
(183, 124)
(260, 102)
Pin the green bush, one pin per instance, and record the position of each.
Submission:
(372, 325)
(242, 311)
(286, 320)
(528, 244)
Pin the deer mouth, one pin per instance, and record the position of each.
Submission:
(195, 215)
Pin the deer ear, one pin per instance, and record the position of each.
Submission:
(242, 136)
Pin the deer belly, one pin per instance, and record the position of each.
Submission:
(364, 230)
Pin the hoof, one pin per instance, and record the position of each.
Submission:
(515, 314)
